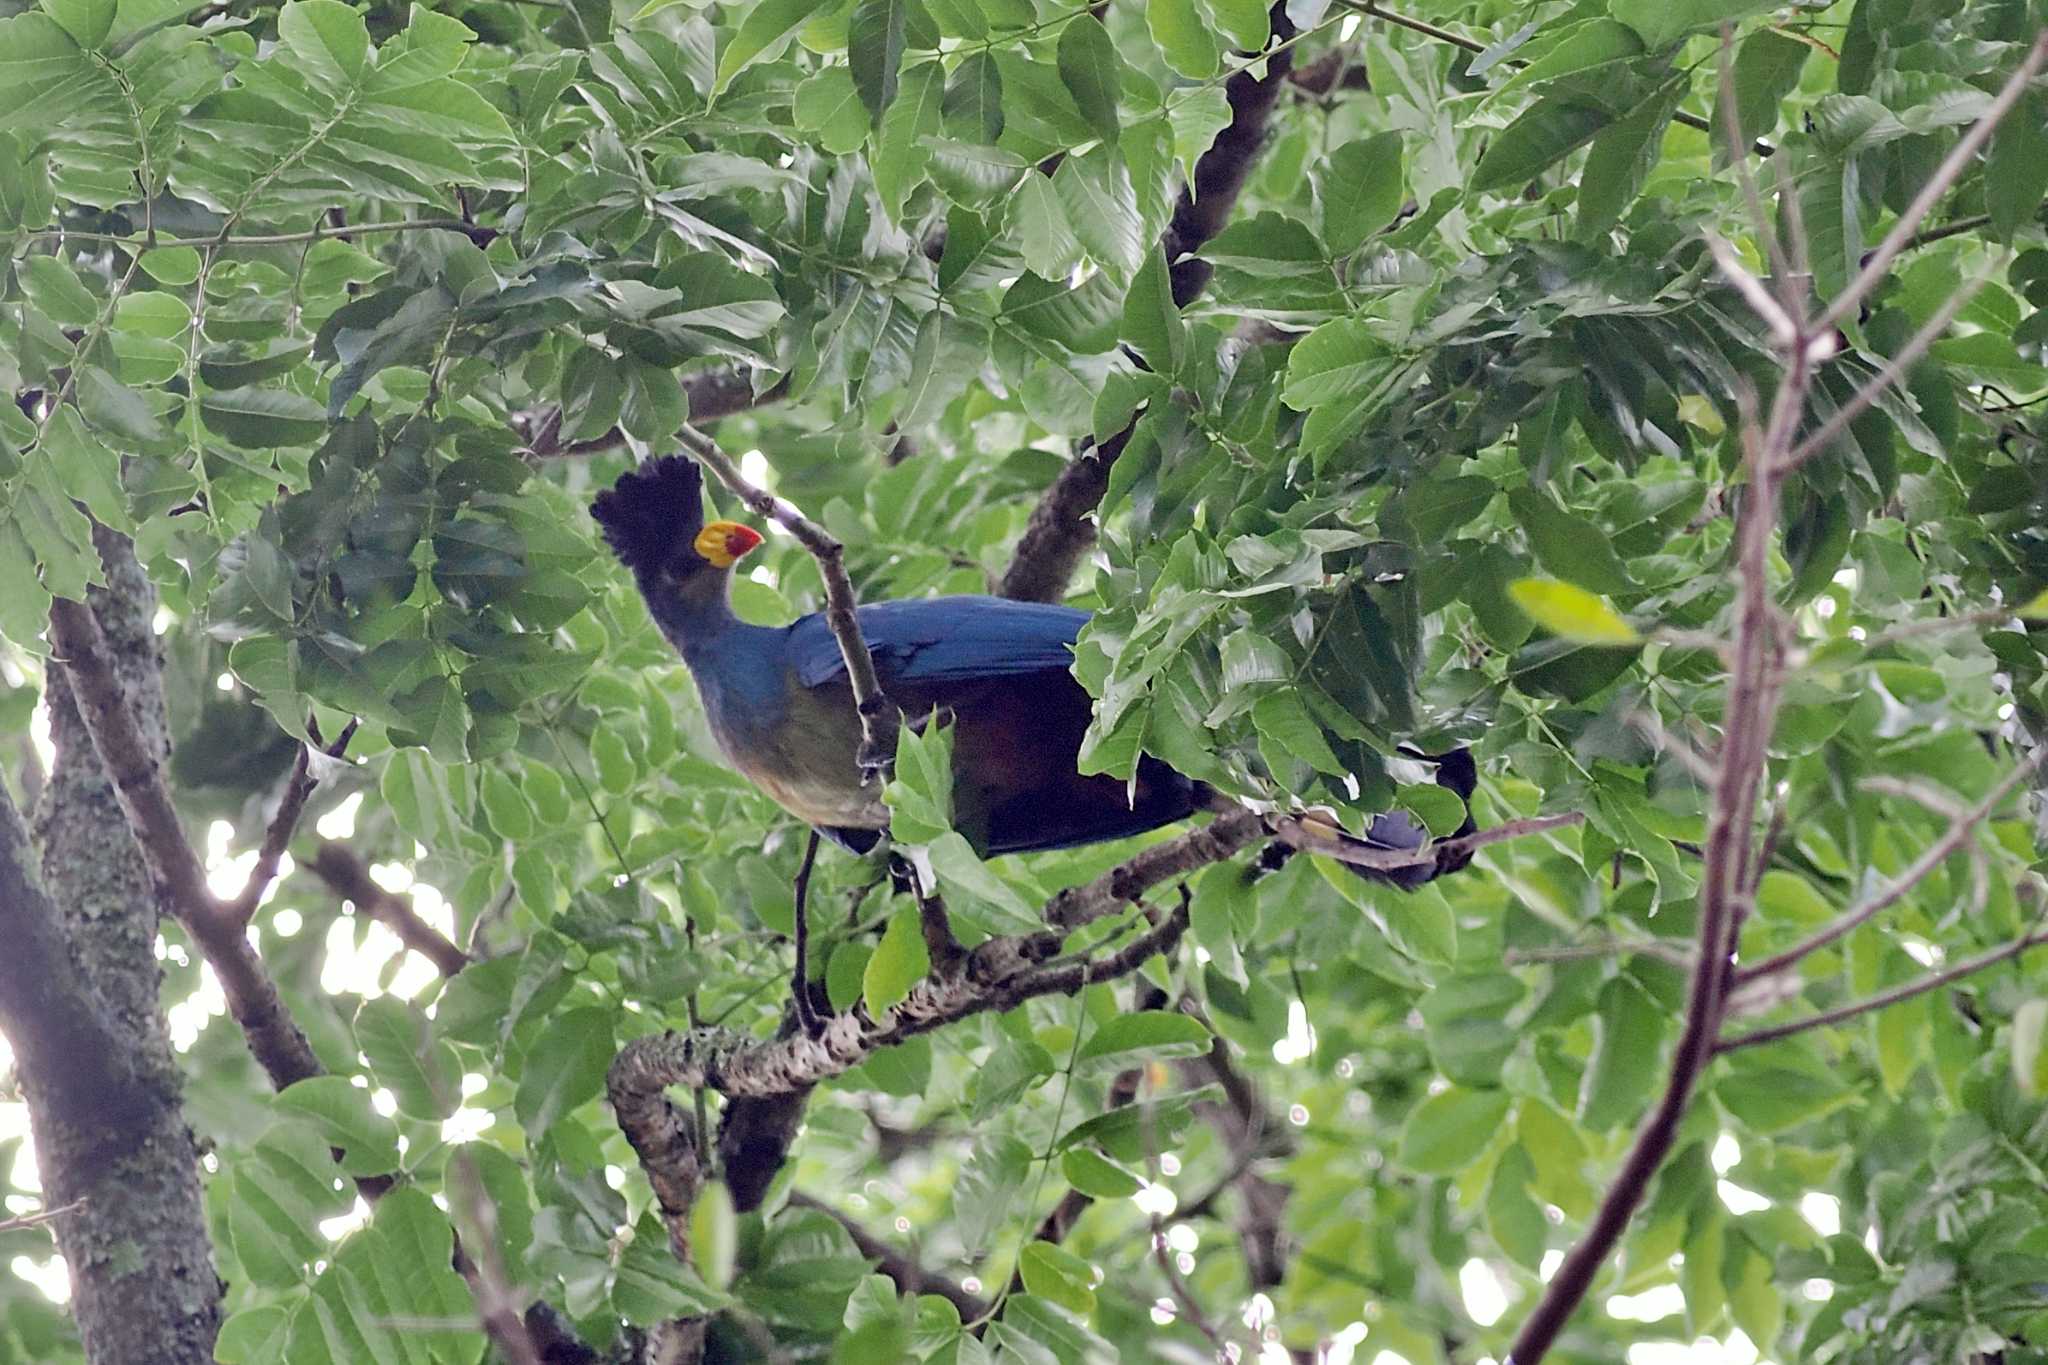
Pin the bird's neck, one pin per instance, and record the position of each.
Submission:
(695, 614)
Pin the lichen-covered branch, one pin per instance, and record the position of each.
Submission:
(138, 777)
(878, 718)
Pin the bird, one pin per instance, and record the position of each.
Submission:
(780, 706)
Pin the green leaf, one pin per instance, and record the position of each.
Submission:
(1038, 224)
(1281, 718)
(1184, 38)
(1092, 73)
(116, 409)
(2030, 1048)
(972, 175)
(1448, 1130)
(900, 153)
(1663, 22)
(874, 51)
(1767, 67)
(1464, 1022)
(563, 1068)
(1246, 23)
(262, 419)
(765, 25)
(1544, 134)
(829, 104)
(329, 38)
(973, 107)
(1096, 1175)
(1151, 322)
(714, 1235)
(1571, 612)
(899, 962)
(1102, 209)
(1569, 546)
(2016, 169)
(87, 470)
(1360, 187)
(1628, 1049)
(342, 1115)
(422, 1074)
(1128, 1040)
(89, 21)
(51, 285)
(1052, 1272)
(1771, 1099)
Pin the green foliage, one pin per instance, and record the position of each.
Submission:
(311, 298)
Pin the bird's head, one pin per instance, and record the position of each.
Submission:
(653, 518)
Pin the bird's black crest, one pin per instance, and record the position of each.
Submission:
(652, 513)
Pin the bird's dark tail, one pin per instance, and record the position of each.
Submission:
(652, 513)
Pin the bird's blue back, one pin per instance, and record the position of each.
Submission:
(944, 639)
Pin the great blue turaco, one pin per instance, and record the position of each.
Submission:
(780, 706)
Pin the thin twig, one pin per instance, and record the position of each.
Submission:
(498, 1306)
(1677, 954)
(910, 1277)
(285, 823)
(1878, 262)
(1918, 986)
(1894, 367)
(348, 878)
(1918, 871)
(40, 1216)
(878, 716)
(1182, 1295)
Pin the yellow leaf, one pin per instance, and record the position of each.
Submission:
(2037, 609)
(1571, 612)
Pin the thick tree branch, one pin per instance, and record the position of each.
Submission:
(910, 1277)
(1062, 530)
(347, 877)
(139, 785)
(1127, 883)
(878, 718)
(998, 974)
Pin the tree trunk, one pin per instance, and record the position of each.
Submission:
(142, 1278)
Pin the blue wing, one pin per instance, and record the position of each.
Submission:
(944, 639)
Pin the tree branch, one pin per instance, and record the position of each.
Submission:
(1878, 262)
(139, 786)
(997, 974)
(1061, 531)
(1884, 999)
(347, 877)
(284, 823)
(1936, 853)
(878, 717)
(1754, 687)
(910, 1277)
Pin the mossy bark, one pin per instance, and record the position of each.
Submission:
(144, 1287)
